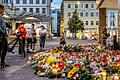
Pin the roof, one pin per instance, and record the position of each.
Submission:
(25, 16)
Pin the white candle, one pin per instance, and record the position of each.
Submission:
(116, 77)
(103, 74)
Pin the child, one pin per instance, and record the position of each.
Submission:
(62, 41)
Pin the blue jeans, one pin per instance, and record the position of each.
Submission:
(42, 41)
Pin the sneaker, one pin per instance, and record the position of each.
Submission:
(34, 51)
(30, 50)
(4, 65)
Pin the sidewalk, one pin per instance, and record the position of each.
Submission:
(18, 69)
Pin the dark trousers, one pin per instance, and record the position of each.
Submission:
(29, 43)
(3, 49)
(22, 46)
(42, 41)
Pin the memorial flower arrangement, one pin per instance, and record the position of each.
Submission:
(77, 63)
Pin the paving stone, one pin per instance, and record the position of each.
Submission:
(18, 69)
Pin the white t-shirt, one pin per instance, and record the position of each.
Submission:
(43, 32)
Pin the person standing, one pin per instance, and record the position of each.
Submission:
(31, 38)
(29, 41)
(3, 39)
(62, 41)
(22, 38)
(42, 33)
(115, 43)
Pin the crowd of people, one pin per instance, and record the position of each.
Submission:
(30, 37)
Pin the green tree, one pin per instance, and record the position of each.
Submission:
(75, 24)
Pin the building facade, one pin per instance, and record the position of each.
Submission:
(87, 13)
(56, 22)
(109, 14)
(112, 22)
(42, 7)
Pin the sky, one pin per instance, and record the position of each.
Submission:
(56, 4)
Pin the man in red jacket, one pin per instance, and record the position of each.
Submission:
(22, 38)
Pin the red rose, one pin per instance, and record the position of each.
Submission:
(77, 65)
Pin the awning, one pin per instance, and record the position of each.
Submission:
(11, 15)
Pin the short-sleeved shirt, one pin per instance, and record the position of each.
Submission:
(33, 33)
(43, 32)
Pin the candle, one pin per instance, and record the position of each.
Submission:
(103, 75)
(116, 77)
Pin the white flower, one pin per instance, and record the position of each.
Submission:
(63, 75)
(74, 78)
(45, 66)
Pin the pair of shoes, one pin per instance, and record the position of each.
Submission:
(40, 49)
(4, 65)
(30, 50)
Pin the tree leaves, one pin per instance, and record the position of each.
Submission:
(75, 24)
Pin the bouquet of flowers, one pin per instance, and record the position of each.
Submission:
(76, 62)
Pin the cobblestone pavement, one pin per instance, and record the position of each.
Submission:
(18, 69)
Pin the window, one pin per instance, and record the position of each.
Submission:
(30, 1)
(86, 14)
(86, 22)
(25, 9)
(97, 14)
(37, 10)
(92, 14)
(5, 1)
(17, 9)
(31, 10)
(96, 22)
(81, 5)
(17, 1)
(92, 5)
(91, 22)
(69, 14)
(76, 5)
(11, 1)
(69, 5)
(43, 10)
(43, 1)
(24, 1)
(86, 6)
(37, 1)
(81, 14)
